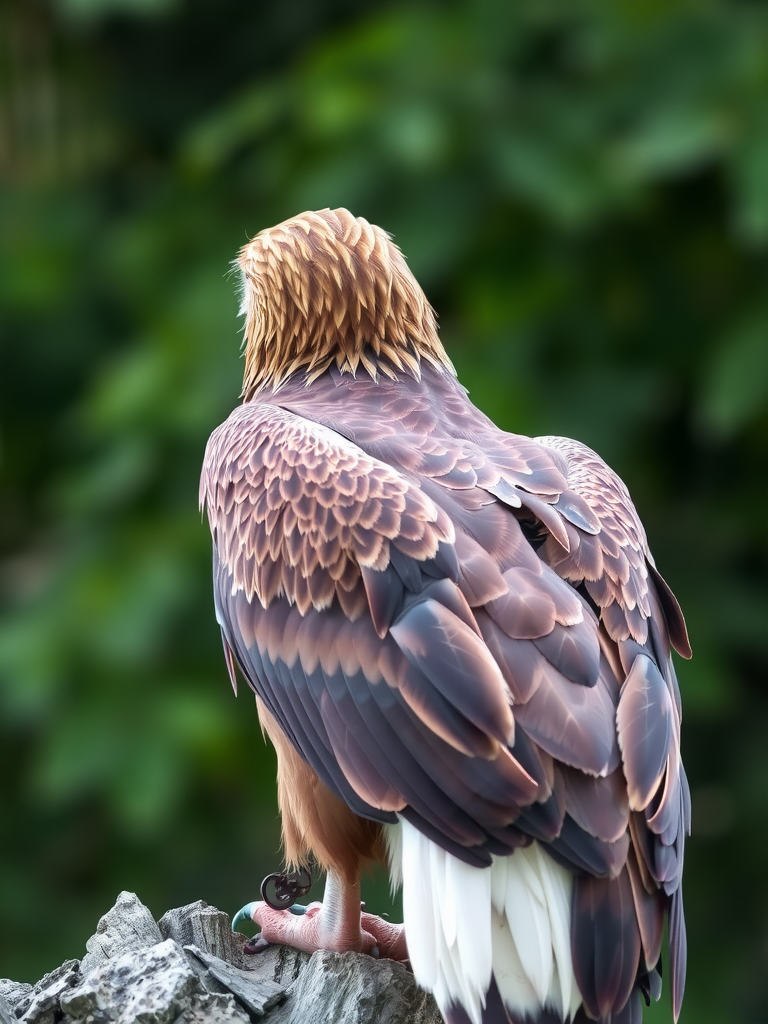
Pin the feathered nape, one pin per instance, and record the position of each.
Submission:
(325, 289)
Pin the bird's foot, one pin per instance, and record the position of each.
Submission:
(318, 927)
(337, 924)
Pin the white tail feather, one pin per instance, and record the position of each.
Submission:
(528, 920)
(557, 884)
(421, 919)
(514, 985)
(463, 924)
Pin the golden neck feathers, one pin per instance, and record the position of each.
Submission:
(327, 288)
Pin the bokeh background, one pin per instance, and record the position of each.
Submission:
(581, 188)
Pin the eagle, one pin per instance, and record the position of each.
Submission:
(460, 647)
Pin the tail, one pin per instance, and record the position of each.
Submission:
(492, 944)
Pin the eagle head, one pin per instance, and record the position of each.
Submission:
(327, 288)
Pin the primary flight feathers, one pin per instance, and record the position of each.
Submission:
(458, 632)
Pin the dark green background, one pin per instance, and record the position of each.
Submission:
(582, 190)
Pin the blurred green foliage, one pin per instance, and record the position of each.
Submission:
(582, 189)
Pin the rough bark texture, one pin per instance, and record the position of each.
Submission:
(189, 968)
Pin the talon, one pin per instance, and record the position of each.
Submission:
(244, 914)
(255, 945)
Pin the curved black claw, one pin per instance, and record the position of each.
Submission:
(255, 945)
(279, 891)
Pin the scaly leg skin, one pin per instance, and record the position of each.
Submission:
(336, 924)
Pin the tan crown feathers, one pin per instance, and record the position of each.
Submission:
(328, 288)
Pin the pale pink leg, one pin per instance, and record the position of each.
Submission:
(335, 924)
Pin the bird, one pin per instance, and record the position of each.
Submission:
(460, 648)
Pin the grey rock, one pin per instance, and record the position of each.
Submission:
(138, 973)
(13, 992)
(207, 980)
(282, 964)
(348, 988)
(41, 1004)
(149, 986)
(257, 993)
(213, 1008)
(7, 1016)
(127, 926)
(201, 925)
